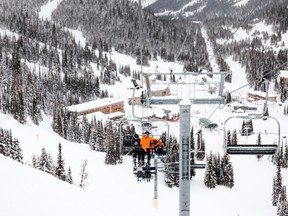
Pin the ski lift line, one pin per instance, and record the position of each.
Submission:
(181, 47)
(257, 5)
(239, 26)
(141, 43)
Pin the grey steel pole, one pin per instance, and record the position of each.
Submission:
(184, 159)
(155, 202)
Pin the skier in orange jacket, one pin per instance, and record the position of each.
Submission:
(145, 143)
(160, 147)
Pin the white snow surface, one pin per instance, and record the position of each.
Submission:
(114, 190)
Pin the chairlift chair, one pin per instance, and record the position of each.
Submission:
(269, 148)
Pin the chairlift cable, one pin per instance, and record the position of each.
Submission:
(141, 43)
(258, 79)
(180, 49)
(210, 116)
(239, 26)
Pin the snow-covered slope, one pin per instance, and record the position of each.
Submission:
(114, 190)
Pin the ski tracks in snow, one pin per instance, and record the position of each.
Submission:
(210, 51)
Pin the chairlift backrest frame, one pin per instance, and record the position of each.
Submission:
(247, 149)
(122, 136)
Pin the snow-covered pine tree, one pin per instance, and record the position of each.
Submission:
(285, 156)
(93, 139)
(57, 124)
(228, 137)
(74, 127)
(243, 129)
(210, 179)
(100, 137)
(277, 186)
(192, 171)
(93, 134)
(2, 144)
(234, 140)
(275, 194)
(192, 153)
(217, 166)
(7, 140)
(192, 140)
(69, 177)
(282, 195)
(78, 134)
(172, 163)
(16, 151)
(34, 161)
(86, 129)
(110, 144)
(258, 141)
(277, 158)
(283, 209)
(60, 170)
(228, 173)
(36, 110)
(33, 106)
(43, 162)
(84, 174)
(200, 155)
(250, 126)
(118, 152)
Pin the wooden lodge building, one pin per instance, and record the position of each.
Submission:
(284, 76)
(104, 105)
(156, 91)
(258, 95)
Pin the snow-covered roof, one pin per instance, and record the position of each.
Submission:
(284, 73)
(93, 104)
(115, 115)
(97, 115)
(159, 87)
(261, 94)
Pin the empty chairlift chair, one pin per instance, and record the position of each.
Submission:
(254, 137)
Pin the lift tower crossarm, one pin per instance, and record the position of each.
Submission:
(186, 73)
(171, 101)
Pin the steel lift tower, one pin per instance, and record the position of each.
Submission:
(185, 104)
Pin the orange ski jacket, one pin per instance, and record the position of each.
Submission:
(145, 141)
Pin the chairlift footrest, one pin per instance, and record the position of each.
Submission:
(252, 149)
